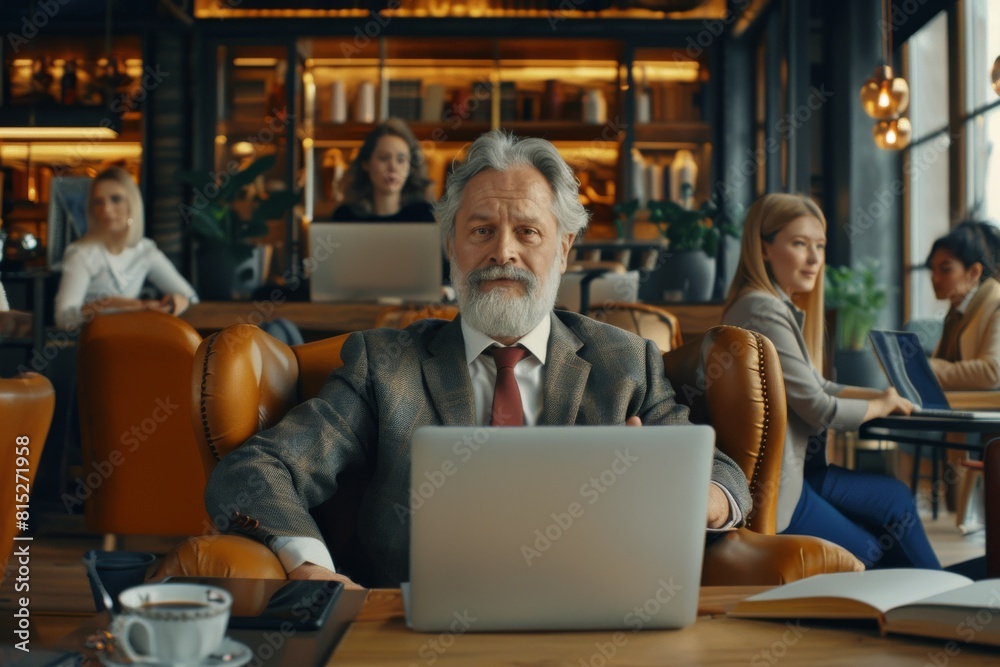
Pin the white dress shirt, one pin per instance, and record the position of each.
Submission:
(90, 272)
(3, 299)
(294, 551)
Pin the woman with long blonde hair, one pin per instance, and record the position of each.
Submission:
(106, 269)
(778, 291)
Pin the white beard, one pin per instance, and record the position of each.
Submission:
(500, 313)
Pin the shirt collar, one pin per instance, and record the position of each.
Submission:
(797, 312)
(962, 307)
(535, 341)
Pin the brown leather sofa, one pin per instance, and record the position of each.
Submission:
(249, 380)
(26, 406)
(142, 467)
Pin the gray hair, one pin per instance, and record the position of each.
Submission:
(500, 150)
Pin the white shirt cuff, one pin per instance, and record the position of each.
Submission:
(294, 551)
(735, 515)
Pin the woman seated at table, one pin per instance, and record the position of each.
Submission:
(778, 292)
(105, 270)
(387, 182)
(964, 269)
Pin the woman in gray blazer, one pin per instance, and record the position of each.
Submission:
(778, 292)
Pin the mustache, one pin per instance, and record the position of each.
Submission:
(477, 277)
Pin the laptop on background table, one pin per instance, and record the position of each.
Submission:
(557, 527)
(905, 365)
(359, 261)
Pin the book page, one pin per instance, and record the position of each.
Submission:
(881, 589)
(978, 595)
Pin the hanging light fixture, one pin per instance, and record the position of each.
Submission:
(885, 96)
(995, 75)
(893, 134)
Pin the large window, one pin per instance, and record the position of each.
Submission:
(925, 166)
(982, 26)
(932, 163)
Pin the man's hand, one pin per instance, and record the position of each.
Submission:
(718, 507)
(633, 421)
(313, 571)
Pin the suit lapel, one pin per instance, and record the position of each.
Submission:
(447, 376)
(565, 377)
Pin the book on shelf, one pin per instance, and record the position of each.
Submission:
(404, 99)
(927, 603)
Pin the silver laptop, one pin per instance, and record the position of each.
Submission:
(557, 527)
(905, 365)
(352, 261)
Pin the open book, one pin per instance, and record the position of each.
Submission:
(928, 603)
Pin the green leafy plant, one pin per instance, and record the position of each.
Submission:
(697, 229)
(625, 217)
(857, 296)
(214, 217)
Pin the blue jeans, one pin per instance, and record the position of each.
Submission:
(872, 516)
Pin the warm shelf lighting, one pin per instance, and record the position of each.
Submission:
(56, 133)
(681, 70)
(893, 134)
(70, 152)
(255, 62)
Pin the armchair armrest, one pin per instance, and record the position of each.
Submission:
(745, 558)
(232, 556)
(973, 400)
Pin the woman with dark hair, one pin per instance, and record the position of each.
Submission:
(105, 270)
(964, 268)
(778, 292)
(387, 182)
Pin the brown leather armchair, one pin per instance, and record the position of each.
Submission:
(249, 380)
(26, 406)
(143, 470)
(731, 378)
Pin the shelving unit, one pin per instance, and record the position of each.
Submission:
(577, 90)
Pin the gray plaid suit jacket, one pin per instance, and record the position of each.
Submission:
(393, 382)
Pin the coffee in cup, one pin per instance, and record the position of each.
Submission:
(174, 624)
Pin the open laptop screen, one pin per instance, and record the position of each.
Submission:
(364, 261)
(906, 366)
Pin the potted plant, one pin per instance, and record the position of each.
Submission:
(228, 224)
(688, 274)
(858, 297)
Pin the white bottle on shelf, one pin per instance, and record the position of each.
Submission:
(338, 102)
(364, 107)
(595, 107)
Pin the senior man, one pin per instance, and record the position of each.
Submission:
(509, 216)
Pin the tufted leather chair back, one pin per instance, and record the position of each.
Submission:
(731, 378)
(26, 406)
(143, 469)
(245, 382)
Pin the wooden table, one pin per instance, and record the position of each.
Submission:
(315, 320)
(379, 637)
(322, 320)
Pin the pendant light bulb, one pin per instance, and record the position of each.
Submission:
(893, 134)
(885, 96)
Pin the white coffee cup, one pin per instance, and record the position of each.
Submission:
(173, 624)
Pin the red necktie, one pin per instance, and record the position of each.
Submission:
(507, 409)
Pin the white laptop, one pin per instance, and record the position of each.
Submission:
(905, 365)
(557, 527)
(351, 261)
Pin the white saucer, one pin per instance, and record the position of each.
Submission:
(240, 651)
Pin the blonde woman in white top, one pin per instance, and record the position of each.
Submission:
(105, 270)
